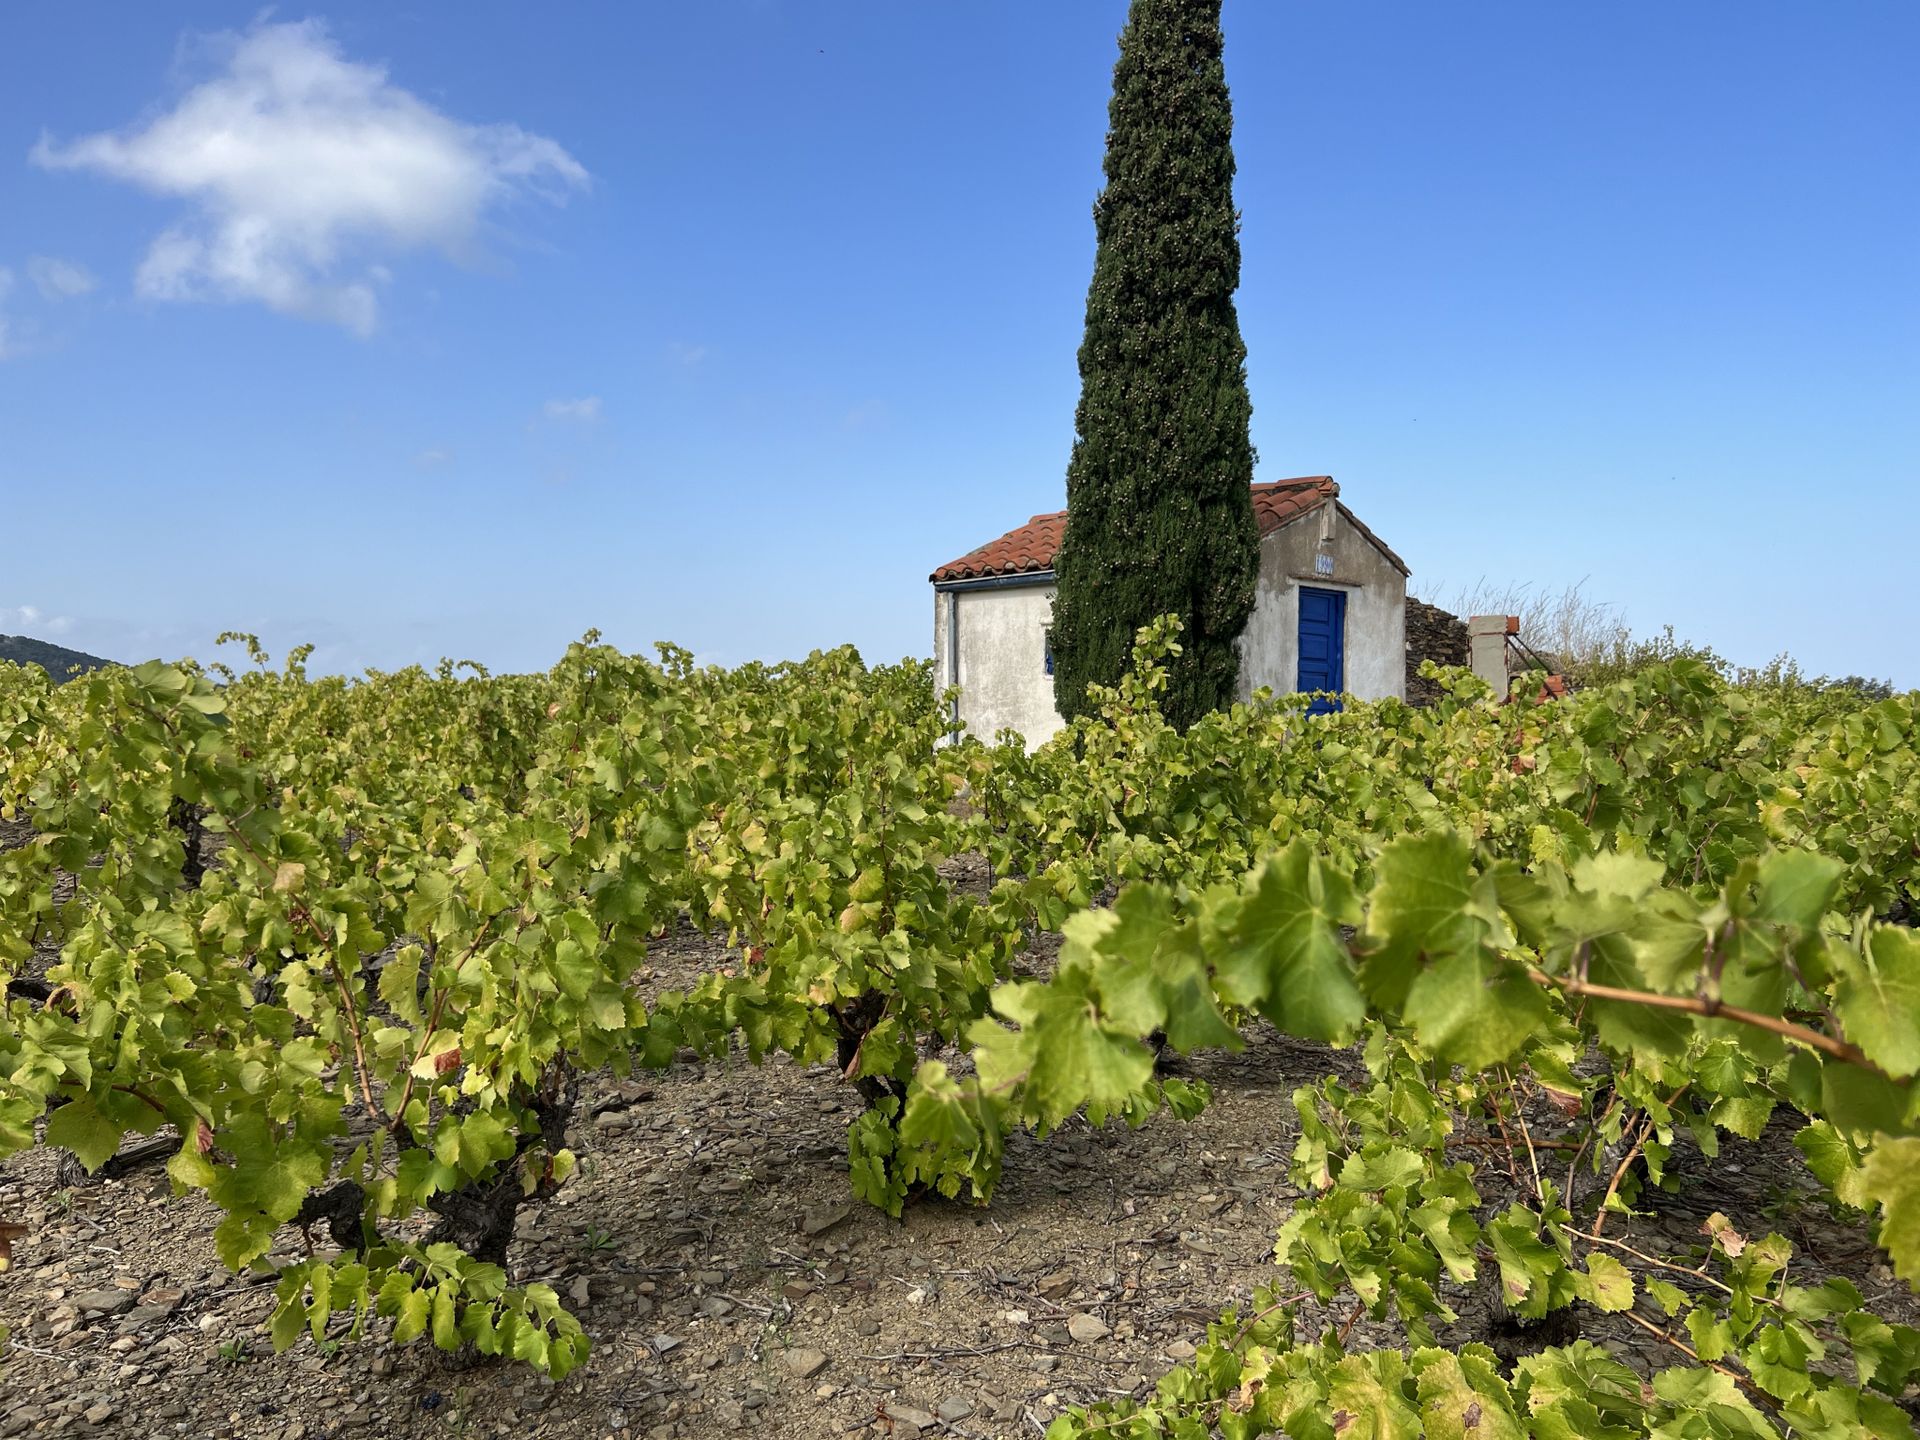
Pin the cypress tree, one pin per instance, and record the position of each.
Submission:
(1159, 515)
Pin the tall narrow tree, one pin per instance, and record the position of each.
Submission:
(1159, 515)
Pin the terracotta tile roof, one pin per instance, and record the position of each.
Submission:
(1030, 549)
(1026, 551)
(1280, 502)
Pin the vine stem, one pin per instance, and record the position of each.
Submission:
(433, 1022)
(1253, 1320)
(1352, 1320)
(1645, 1258)
(1513, 1167)
(1712, 1010)
(1520, 1119)
(349, 1011)
(352, 1015)
(1670, 1338)
(1489, 1142)
(1626, 1161)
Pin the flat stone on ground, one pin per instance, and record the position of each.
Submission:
(818, 1219)
(104, 1302)
(803, 1362)
(1088, 1328)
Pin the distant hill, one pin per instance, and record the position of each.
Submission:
(56, 660)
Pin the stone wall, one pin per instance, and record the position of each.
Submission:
(1436, 635)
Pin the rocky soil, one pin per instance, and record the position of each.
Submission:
(710, 1246)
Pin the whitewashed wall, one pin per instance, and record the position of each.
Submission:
(1003, 674)
(1376, 638)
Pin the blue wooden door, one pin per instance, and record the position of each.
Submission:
(1323, 647)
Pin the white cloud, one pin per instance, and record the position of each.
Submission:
(21, 619)
(6, 284)
(433, 459)
(58, 279)
(300, 164)
(586, 409)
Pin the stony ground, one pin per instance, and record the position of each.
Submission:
(710, 1247)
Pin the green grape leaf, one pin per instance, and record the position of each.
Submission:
(1070, 1059)
(1716, 1394)
(1394, 1165)
(1586, 1375)
(79, 1126)
(1669, 1297)
(1609, 890)
(1475, 1009)
(1892, 1180)
(1859, 1101)
(1796, 887)
(415, 1308)
(400, 983)
(1421, 904)
(269, 1173)
(1627, 1028)
(1283, 953)
(1878, 1000)
(1453, 1407)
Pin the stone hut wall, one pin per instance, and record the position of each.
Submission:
(1432, 634)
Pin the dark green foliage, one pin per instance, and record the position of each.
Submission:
(1160, 519)
(56, 660)
(1865, 688)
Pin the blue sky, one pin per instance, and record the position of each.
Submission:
(457, 331)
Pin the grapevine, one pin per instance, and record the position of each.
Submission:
(349, 948)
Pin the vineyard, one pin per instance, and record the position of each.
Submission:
(1567, 1051)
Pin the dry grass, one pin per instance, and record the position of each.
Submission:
(1578, 633)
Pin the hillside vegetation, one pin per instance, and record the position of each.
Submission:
(58, 661)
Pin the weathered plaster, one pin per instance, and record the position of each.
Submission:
(1487, 644)
(1376, 639)
(1003, 659)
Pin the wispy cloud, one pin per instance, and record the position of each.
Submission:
(22, 619)
(58, 279)
(585, 410)
(687, 355)
(434, 459)
(6, 286)
(301, 165)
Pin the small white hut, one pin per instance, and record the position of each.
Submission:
(1329, 612)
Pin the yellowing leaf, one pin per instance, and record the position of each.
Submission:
(1607, 1285)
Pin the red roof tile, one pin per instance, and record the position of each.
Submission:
(1280, 502)
(1026, 551)
(1030, 549)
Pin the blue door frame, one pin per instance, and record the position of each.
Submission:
(1323, 646)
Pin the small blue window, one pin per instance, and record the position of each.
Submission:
(1046, 649)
